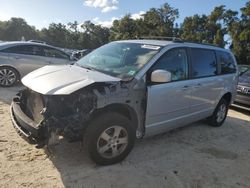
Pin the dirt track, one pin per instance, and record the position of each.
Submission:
(196, 156)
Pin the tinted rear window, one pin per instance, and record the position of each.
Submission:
(226, 62)
(203, 63)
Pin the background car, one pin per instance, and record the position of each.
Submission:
(19, 58)
(242, 99)
(78, 54)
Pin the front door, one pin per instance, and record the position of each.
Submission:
(168, 103)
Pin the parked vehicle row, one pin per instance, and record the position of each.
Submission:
(125, 90)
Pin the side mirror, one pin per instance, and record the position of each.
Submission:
(161, 76)
(72, 58)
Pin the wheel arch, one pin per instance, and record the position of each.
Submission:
(228, 97)
(122, 109)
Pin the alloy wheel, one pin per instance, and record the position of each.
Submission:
(7, 77)
(112, 142)
(221, 113)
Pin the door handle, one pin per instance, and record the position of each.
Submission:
(17, 57)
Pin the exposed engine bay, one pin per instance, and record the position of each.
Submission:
(69, 115)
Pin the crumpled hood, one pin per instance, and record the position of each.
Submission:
(63, 79)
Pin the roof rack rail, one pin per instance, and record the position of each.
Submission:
(174, 39)
(202, 43)
(37, 41)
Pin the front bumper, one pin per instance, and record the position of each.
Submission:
(25, 127)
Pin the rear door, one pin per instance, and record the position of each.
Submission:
(168, 103)
(4, 57)
(206, 85)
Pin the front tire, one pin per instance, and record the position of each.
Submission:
(219, 114)
(109, 138)
(8, 76)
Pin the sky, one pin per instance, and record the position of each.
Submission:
(40, 13)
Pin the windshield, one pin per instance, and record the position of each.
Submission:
(245, 71)
(119, 59)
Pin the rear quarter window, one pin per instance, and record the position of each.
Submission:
(51, 52)
(226, 62)
(203, 63)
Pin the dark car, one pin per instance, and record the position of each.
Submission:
(242, 99)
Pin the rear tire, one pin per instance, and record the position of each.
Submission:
(219, 114)
(8, 76)
(109, 138)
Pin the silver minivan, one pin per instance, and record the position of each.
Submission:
(125, 90)
(20, 58)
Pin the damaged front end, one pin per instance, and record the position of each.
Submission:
(40, 119)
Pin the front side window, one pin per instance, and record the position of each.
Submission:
(176, 62)
(119, 59)
(203, 63)
(226, 62)
(51, 52)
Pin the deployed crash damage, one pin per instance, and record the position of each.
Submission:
(98, 100)
(68, 115)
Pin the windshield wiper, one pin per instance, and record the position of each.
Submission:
(85, 67)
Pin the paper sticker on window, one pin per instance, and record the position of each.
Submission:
(150, 47)
(131, 73)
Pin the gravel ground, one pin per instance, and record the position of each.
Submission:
(196, 156)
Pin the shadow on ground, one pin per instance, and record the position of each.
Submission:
(7, 93)
(194, 156)
(240, 110)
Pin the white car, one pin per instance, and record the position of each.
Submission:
(20, 58)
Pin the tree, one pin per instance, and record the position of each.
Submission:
(194, 28)
(124, 28)
(239, 31)
(74, 39)
(15, 29)
(56, 34)
(94, 35)
(160, 22)
(209, 29)
(220, 27)
(155, 22)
